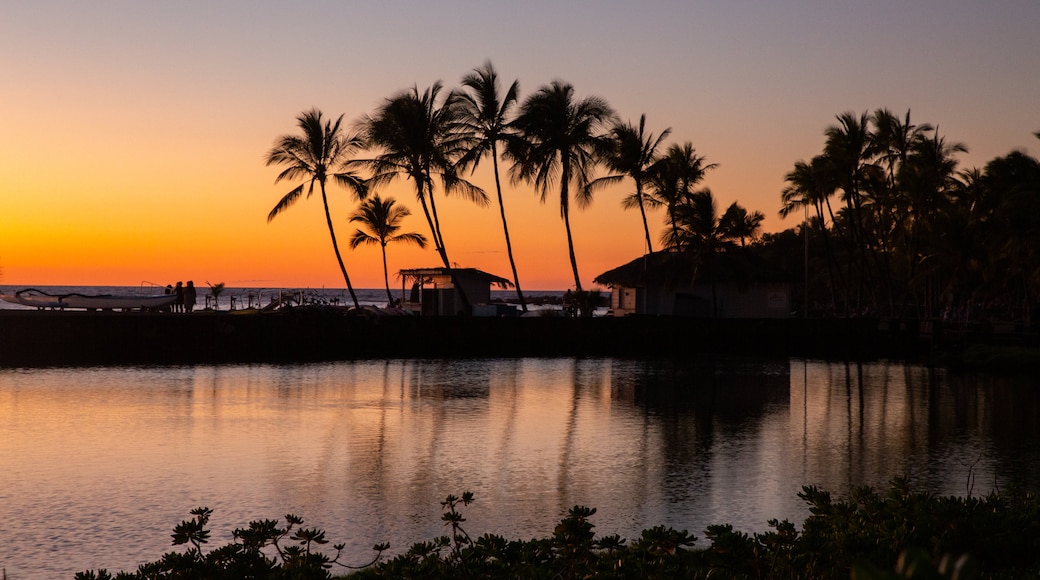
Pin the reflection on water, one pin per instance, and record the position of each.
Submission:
(98, 465)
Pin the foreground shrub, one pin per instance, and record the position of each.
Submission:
(257, 552)
(868, 536)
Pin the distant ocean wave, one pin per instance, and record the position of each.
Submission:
(238, 298)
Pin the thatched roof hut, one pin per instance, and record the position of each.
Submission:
(671, 282)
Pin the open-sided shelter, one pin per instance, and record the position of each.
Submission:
(448, 291)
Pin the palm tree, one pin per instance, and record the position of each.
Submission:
(740, 224)
(633, 154)
(322, 151)
(672, 181)
(559, 141)
(485, 115)
(215, 290)
(703, 233)
(419, 137)
(812, 184)
(382, 218)
(701, 229)
(848, 148)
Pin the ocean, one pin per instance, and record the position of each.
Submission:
(239, 298)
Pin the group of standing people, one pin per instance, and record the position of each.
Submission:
(186, 296)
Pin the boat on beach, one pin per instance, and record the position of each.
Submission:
(42, 300)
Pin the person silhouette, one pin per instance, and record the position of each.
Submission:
(178, 290)
(190, 295)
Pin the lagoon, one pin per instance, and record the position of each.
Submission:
(98, 464)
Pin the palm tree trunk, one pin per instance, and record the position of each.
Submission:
(505, 228)
(672, 208)
(386, 277)
(828, 255)
(642, 212)
(429, 221)
(335, 247)
(570, 249)
(565, 210)
(437, 225)
(440, 244)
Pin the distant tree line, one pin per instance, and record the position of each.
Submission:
(894, 227)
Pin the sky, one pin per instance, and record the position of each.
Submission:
(133, 134)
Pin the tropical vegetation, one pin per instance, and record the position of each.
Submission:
(215, 290)
(554, 140)
(486, 114)
(558, 142)
(872, 534)
(633, 153)
(319, 153)
(891, 224)
(380, 221)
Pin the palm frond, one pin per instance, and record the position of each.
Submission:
(361, 238)
(287, 201)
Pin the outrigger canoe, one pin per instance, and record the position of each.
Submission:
(39, 299)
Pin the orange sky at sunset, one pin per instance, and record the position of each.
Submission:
(133, 134)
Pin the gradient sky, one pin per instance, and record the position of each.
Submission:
(133, 133)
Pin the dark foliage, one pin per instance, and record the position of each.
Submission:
(258, 552)
(873, 535)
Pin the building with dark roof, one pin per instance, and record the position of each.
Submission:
(732, 284)
(449, 291)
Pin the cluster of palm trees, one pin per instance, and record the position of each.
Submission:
(897, 228)
(553, 140)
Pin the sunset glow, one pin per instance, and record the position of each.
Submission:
(133, 135)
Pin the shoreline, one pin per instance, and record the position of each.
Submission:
(305, 334)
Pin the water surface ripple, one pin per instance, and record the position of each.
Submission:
(97, 465)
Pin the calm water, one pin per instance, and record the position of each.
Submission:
(97, 465)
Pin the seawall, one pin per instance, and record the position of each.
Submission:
(46, 338)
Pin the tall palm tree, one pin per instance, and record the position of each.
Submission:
(323, 150)
(485, 115)
(812, 184)
(892, 143)
(848, 148)
(672, 181)
(382, 218)
(633, 153)
(559, 141)
(419, 137)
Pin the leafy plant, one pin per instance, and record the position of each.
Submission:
(215, 290)
(264, 550)
(897, 534)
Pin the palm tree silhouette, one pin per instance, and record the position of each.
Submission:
(672, 181)
(321, 152)
(485, 115)
(420, 136)
(633, 153)
(382, 218)
(812, 184)
(848, 148)
(703, 233)
(740, 224)
(558, 140)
